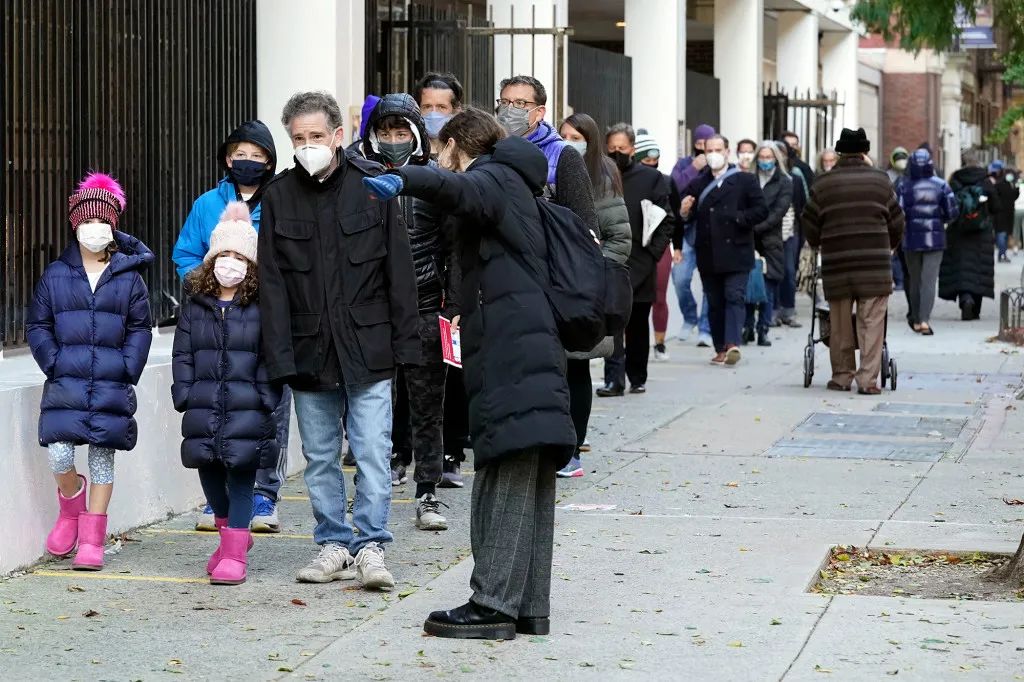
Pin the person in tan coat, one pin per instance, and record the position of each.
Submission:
(854, 218)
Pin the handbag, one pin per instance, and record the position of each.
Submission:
(757, 293)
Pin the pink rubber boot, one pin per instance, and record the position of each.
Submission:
(215, 557)
(234, 548)
(64, 536)
(92, 536)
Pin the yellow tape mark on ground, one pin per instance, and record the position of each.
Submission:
(352, 470)
(302, 498)
(186, 531)
(116, 576)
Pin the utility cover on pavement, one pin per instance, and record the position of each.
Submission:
(860, 449)
(930, 409)
(882, 425)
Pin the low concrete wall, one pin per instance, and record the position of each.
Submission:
(150, 482)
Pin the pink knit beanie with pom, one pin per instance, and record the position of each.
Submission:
(98, 196)
(234, 232)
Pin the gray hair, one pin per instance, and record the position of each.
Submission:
(780, 160)
(622, 129)
(312, 102)
(971, 158)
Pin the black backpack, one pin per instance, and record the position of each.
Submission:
(973, 211)
(590, 295)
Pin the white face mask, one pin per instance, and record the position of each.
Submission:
(716, 160)
(230, 271)
(95, 236)
(315, 157)
(746, 158)
(900, 165)
(579, 145)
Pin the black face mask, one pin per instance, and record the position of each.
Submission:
(622, 161)
(697, 152)
(397, 153)
(247, 173)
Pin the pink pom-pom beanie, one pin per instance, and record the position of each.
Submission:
(234, 232)
(98, 196)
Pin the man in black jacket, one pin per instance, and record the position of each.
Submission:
(639, 183)
(338, 309)
(726, 204)
(397, 136)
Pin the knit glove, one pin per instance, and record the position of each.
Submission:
(384, 187)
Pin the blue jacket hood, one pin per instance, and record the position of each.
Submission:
(921, 165)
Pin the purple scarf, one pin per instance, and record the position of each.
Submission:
(549, 142)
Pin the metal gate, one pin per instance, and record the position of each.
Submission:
(144, 89)
(608, 99)
(407, 40)
(811, 116)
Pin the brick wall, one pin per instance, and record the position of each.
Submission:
(910, 113)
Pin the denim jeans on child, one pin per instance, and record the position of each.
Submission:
(682, 280)
(369, 433)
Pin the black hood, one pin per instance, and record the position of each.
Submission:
(257, 133)
(525, 158)
(397, 104)
(970, 175)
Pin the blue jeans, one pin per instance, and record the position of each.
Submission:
(764, 318)
(682, 280)
(1003, 242)
(786, 299)
(369, 432)
(727, 307)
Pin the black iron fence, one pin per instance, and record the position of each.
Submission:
(811, 115)
(143, 89)
(607, 98)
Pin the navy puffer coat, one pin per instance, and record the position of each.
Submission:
(928, 203)
(220, 383)
(92, 346)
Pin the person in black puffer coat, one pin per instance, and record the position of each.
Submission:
(968, 270)
(396, 136)
(221, 384)
(514, 366)
(777, 187)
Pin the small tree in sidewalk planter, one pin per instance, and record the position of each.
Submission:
(919, 24)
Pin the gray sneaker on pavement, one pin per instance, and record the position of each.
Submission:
(370, 568)
(332, 563)
(428, 514)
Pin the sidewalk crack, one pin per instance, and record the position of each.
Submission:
(807, 639)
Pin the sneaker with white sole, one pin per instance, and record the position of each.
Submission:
(574, 469)
(205, 521)
(264, 515)
(686, 332)
(398, 473)
(661, 353)
(370, 568)
(428, 513)
(332, 563)
(705, 341)
(586, 446)
(451, 473)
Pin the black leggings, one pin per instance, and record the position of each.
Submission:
(581, 396)
(229, 492)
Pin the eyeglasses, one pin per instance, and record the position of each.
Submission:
(514, 103)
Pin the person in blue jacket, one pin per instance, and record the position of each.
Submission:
(221, 384)
(89, 329)
(249, 161)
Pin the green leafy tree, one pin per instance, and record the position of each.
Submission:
(919, 24)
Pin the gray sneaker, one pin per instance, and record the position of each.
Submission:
(370, 568)
(206, 520)
(428, 514)
(332, 563)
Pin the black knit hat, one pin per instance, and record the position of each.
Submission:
(853, 142)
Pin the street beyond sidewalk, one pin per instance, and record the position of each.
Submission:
(686, 552)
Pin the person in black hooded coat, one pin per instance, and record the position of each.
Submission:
(514, 365)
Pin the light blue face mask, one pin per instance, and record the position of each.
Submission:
(766, 166)
(578, 145)
(434, 121)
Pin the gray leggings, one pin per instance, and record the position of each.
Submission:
(101, 461)
(923, 268)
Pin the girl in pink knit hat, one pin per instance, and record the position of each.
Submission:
(89, 329)
(220, 383)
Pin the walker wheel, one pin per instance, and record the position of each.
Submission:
(892, 374)
(808, 364)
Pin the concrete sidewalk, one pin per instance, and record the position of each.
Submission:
(685, 552)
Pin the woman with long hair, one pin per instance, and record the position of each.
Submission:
(580, 132)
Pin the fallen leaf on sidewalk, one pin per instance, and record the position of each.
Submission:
(819, 669)
(406, 593)
(736, 643)
(775, 621)
(75, 588)
(1012, 501)
(732, 484)
(298, 602)
(90, 613)
(652, 551)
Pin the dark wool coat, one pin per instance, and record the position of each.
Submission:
(778, 195)
(337, 285)
(92, 346)
(968, 264)
(853, 216)
(928, 204)
(725, 221)
(221, 384)
(641, 182)
(1003, 219)
(513, 360)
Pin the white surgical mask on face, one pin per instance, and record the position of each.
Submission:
(746, 158)
(900, 165)
(229, 271)
(716, 160)
(95, 236)
(315, 157)
(578, 145)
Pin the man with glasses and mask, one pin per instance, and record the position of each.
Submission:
(338, 309)
(521, 110)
